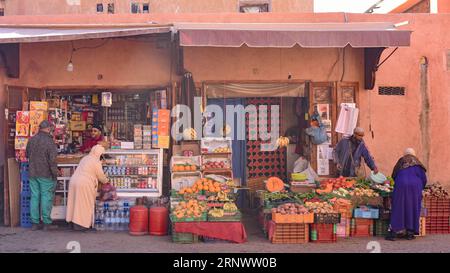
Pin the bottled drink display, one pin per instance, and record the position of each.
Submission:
(112, 216)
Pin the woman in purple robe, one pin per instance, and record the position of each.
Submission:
(410, 179)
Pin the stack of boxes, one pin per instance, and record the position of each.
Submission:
(147, 137)
(138, 137)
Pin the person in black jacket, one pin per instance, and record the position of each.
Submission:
(41, 152)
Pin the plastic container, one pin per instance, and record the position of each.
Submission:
(327, 218)
(25, 218)
(158, 221)
(361, 227)
(138, 220)
(366, 213)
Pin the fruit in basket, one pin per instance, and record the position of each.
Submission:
(319, 207)
(217, 213)
(290, 208)
(231, 207)
(191, 208)
(435, 191)
(360, 192)
(274, 184)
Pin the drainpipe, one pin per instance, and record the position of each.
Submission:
(424, 118)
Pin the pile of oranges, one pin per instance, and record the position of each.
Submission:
(184, 168)
(191, 208)
(204, 184)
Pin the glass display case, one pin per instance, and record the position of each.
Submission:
(135, 173)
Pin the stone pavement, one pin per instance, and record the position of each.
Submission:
(25, 240)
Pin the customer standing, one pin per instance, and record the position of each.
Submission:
(410, 179)
(41, 152)
(83, 190)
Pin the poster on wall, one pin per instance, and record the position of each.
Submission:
(327, 124)
(323, 164)
(106, 99)
(324, 111)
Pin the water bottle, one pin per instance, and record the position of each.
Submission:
(101, 225)
(127, 218)
(108, 221)
(122, 221)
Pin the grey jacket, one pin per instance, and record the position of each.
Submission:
(41, 152)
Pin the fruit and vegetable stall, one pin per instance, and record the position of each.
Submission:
(338, 208)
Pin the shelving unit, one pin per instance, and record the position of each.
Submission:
(62, 189)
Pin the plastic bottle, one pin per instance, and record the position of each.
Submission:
(114, 221)
(127, 218)
(108, 221)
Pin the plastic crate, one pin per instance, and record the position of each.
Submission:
(438, 224)
(293, 218)
(24, 166)
(437, 207)
(226, 218)
(343, 228)
(25, 217)
(361, 227)
(202, 218)
(184, 238)
(387, 203)
(327, 218)
(323, 233)
(381, 228)
(291, 233)
(366, 213)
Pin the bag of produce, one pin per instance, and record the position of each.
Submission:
(108, 192)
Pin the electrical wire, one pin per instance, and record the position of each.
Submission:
(89, 47)
(343, 63)
(332, 67)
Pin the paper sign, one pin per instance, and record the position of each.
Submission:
(36, 117)
(38, 106)
(106, 99)
(22, 129)
(323, 163)
(23, 117)
(20, 143)
(34, 129)
(163, 142)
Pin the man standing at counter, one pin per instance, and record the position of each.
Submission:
(41, 152)
(96, 138)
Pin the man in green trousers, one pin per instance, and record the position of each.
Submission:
(41, 152)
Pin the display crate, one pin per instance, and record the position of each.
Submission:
(366, 213)
(437, 207)
(381, 228)
(327, 218)
(438, 224)
(293, 218)
(323, 233)
(184, 238)
(236, 217)
(202, 218)
(25, 217)
(343, 228)
(290, 234)
(361, 227)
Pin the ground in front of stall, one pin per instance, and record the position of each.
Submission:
(25, 240)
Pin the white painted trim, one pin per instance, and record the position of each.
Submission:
(433, 6)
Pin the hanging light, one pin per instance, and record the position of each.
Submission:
(70, 67)
(70, 64)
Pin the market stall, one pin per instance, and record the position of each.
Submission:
(135, 133)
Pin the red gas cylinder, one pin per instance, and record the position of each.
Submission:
(138, 220)
(158, 221)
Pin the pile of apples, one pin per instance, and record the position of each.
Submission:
(216, 165)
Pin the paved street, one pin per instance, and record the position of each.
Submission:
(25, 240)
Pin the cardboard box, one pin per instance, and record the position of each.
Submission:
(77, 125)
(126, 145)
(147, 128)
(163, 142)
(38, 106)
(193, 146)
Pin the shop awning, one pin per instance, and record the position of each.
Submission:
(317, 35)
(30, 35)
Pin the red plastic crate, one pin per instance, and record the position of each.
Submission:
(361, 227)
(323, 233)
(437, 207)
(290, 233)
(438, 224)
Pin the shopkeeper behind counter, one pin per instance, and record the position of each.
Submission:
(96, 138)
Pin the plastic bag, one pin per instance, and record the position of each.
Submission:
(318, 134)
(108, 192)
(302, 165)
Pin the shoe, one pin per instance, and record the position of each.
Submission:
(49, 227)
(410, 236)
(391, 236)
(35, 227)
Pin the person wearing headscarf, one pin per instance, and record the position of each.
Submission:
(83, 189)
(96, 138)
(410, 179)
(348, 153)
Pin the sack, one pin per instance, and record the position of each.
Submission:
(360, 171)
(108, 192)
